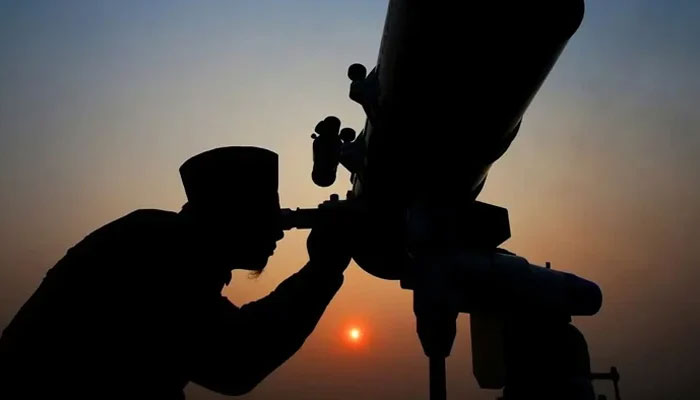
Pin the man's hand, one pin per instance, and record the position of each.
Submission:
(330, 242)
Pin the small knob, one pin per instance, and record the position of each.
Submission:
(329, 126)
(347, 135)
(357, 72)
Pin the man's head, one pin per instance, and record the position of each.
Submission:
(233, 201)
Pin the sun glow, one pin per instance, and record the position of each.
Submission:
(354, 334)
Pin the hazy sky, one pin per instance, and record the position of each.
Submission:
(100, 102)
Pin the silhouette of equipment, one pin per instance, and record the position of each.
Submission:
(444, 102)
(613, 376)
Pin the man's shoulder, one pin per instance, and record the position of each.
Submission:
(138, 223)
(138, 233)
(146, 216)
(150, 215)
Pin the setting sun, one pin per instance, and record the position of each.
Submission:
(354, 334)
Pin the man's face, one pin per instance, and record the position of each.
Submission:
(254, 241)
(244, 238)
(241, 236)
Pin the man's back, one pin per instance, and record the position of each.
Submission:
(114, 312)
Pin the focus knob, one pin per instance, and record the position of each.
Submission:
(357, 72)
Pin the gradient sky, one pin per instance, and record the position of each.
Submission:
(100, 102)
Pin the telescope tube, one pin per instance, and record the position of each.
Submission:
(453, 82)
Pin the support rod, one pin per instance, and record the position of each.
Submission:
(438, 381)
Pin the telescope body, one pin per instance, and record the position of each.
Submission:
(443, 103)
(447, 97)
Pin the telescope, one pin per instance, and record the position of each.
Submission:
(444, 102)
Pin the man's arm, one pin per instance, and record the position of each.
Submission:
(243, 346)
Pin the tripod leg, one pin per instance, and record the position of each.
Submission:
(438, 381)
(436, 325)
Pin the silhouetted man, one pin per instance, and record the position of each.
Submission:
(135, 309)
